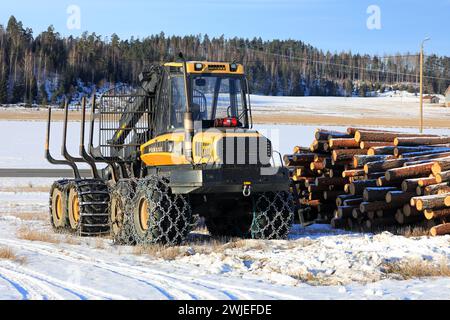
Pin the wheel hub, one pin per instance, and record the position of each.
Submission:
(76, 208)
(58, 206)
(143, 214)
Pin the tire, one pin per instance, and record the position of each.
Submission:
(159, 216)
(87, 207)
(120, 212)
(231, 219)
(273, 215)
(73, 206)
(57, 206)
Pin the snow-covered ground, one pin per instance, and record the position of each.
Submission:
(314, 263)
(389, 106)
(25, 148)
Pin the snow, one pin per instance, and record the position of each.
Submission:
(314, 263)
(404, 105)
(25, 148)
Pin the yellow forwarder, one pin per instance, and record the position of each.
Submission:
(179, 147)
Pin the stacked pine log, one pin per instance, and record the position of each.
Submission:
(374, 179)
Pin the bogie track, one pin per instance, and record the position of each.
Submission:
(87, 207)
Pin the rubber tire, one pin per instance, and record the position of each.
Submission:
(58, 221)
(164, 213)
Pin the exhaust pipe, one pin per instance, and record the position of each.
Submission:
(188, 120)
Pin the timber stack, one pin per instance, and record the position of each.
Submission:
(373, 180)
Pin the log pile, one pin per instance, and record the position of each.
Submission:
(373, 179)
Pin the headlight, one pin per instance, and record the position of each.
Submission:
(198, 67)
(233, 67)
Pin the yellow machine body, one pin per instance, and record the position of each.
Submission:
(166, 150)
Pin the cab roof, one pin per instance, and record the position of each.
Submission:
(199, 67)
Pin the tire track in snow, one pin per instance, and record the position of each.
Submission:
(29, 287)
(23, 292)
(176, 291)
(229, 291)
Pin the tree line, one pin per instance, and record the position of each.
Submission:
(46, 67)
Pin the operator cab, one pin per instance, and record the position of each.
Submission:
(217, 93)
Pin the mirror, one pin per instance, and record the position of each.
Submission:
(200, 82)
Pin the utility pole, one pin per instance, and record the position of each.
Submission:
(421, 84)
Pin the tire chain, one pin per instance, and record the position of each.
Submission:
(86, 189)
(273, 215)
(125, 190)
(175, 222)
(158, 192)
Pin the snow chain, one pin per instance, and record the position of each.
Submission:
(273, 215)
(170, 219)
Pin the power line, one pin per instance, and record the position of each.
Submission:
(344, 65)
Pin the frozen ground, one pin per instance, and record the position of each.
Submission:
(315, 263)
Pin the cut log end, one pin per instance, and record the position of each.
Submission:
(441, 229)
(447, 201)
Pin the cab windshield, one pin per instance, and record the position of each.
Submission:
(213, 97)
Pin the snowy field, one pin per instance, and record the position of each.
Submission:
(315, 263)
(25, 140)
(398, 105)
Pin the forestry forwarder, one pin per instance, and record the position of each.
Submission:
(182, 144)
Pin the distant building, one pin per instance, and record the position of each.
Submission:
(447, 97)
(430, 99)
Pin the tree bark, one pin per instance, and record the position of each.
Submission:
(399, 197)
(346, 154)
(409, 210)
(420, 141)
(343, 143)
(441, 165)
(437, 214)
(353, 202)
(372, 144)
(384, 165)
(409, 185)
(345, 211)
(436, 189)
(381, 151)
(402, 219)
(372, 194)
(377, 205)
(416, 171)
(340, 199)
(322, 134)
(332, 195)
(352, 173)
(441, 229)
(357, 187)
(443, 177)
(338, 181)
(429, 202)
(361, 135)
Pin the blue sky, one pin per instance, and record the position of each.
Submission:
(333, 25)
